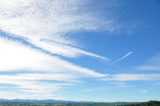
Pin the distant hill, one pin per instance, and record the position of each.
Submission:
(34, 101)
(49, 102)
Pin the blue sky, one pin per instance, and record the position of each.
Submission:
(82, 50)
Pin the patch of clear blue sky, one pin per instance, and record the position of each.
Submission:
(143, 39)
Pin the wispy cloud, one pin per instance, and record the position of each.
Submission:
(148, 67)
(152, 65)
(45, 24)
(131, 77)
(29, 59)
(27, 84)
(123, 57)
(65, 50)
(40, 67)
(36, 20)
(143, 91)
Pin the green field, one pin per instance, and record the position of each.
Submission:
(150, 103)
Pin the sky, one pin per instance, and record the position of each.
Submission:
(80, 50)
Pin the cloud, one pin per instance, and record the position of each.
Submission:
(131, 77)
(40, 68)
(143, 91)
(36, 20)
(17, 57)
(148, 67)
(28, 28)
(26, 88)
(65, 50)
(152, 65)
(123, 57)
(46, 24)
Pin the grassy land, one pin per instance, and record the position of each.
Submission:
(150, 103)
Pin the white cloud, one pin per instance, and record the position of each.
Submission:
(25, 88)
(143, 91)
(40, 68)
(45, 23)
(16, 57)
(148, 67)
(64, 49)
(132, 77)
(44, 19)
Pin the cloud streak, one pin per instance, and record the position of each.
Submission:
(131, 77)
(37, 41)
(40, 68)
(123, 57)
(50, 20)
(34, 38)
(29, 59)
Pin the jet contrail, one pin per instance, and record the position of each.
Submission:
(123, 57)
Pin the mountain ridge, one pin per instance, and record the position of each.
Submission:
(57, 101)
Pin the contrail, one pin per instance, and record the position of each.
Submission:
(123, 57)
